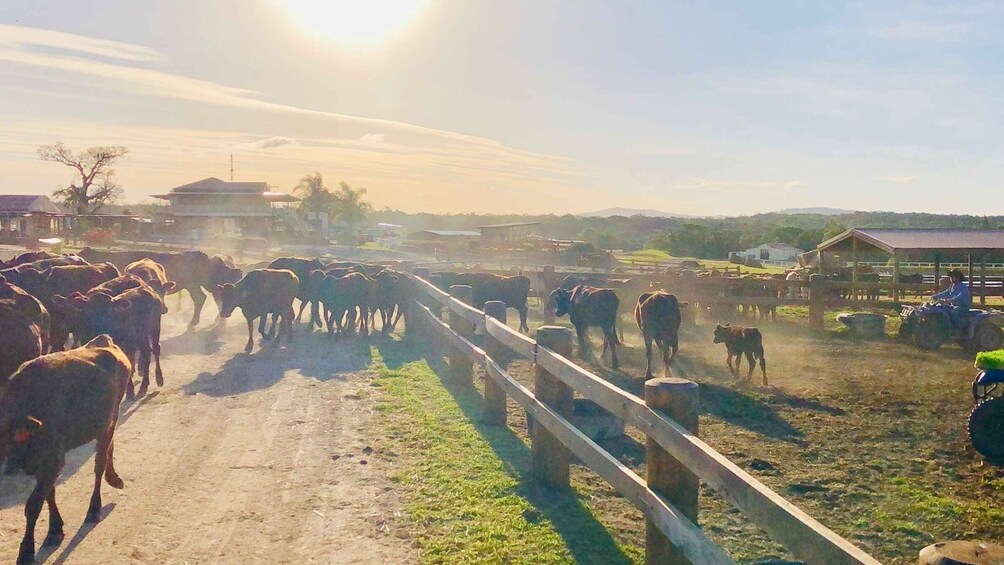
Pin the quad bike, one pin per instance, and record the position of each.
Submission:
(986, 421)
(929, 327)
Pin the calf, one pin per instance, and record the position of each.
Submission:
(153, 274)
(342, 297)
(301, 267)
(589, 306)
(132, 319)
(54, 404)
(739, 341)
(389, 289)
(259, 293)
(658, 317)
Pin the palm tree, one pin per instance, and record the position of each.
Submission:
(316, 197)
(350, 208)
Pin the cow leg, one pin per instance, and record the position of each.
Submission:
(199, 298)
(111, 476)
(55, 535)
(155, 347)
(752, 362)
(397, 316)
(100, 463)
(303, 306)
(728, 359)
(315, 317)
(522, 319)
(611, 338)
(648, 357)
(664, 345)
(364, 329)
(250, 344)
(144, 367)
(32, 508)
(763, 369)
(287, 319)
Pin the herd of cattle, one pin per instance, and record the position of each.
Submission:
(107, 307)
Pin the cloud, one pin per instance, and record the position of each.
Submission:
(371, 138)
(19, 37)
(703, 184)
(273, 142)
(910, 179)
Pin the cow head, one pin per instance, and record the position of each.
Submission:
(559, 301)
(721, 333)
(228, 296)
(17, 437)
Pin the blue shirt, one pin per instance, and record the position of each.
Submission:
(957, 294)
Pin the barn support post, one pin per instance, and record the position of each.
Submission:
(937, 271)
(817, 301)
(461, 366)
(549, 458)
(969, 275)
(678, 399)
(494, 412)
(983, 280)
(854, 268)
(895, 277)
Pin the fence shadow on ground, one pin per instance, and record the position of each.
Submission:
(586, 538)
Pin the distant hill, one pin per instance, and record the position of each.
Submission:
(816, 211)
(628, 212)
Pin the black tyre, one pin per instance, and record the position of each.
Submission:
(931, 332)
(987, 336)
(986, 430)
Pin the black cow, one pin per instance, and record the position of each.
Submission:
(658, 317)
(589, 306)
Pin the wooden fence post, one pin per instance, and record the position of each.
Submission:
(678, 399)
(817, 301)
(494, 411)
(549, 458)
(461, 366)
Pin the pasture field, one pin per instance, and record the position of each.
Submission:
(655, 255)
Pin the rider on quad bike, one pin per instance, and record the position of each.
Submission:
(948, 316)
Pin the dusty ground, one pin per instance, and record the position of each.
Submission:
(238, 459)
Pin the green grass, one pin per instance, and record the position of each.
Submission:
(990, 359)
(464, 484)
(655, 255)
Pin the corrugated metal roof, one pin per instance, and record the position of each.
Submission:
(216, 186)
(918, 240)
(452, 233)
(510, 225)
(25, 203)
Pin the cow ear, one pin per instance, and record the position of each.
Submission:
(26, 429)
(169, 285)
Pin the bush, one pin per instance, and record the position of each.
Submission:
(98, 236)
(990, 360)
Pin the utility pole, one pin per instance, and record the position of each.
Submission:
(231, 167)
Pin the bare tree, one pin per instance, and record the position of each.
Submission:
(95, 185)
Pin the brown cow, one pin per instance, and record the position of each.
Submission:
(190, 270)
(29, 257)
(21, 338)
(259, 293)
(342, 297)
(739, 341)
(301, 267)
(514, 291)
(28, 308)
(54, 404)
(153, 274)
(132, 319)
(72, 316)
(389, 290)
(589, 306)
(658, 317)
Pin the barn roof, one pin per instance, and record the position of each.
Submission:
(505, 226)
(28, 203)
(213, 185)
(906, 241)
(450, 233)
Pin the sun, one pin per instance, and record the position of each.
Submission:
(361, 21)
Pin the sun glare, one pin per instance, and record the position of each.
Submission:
(356, 20)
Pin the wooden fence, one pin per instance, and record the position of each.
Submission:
(676, 459)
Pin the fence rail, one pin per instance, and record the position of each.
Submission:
(806, 538)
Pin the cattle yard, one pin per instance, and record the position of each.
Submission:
(293, 447)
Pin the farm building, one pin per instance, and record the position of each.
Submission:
(30, 217)
(505, 232)
(215, 207)
(444, 235)
(776, 254)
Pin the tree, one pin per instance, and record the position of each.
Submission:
(95, 184)
(809, 239)
(316, 197)
(785, 234)
(350, 209)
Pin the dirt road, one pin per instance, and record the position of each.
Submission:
(238, 459)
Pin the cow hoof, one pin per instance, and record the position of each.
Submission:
(115, 482)
(53, 539)
(160, 380)
(142, 389)
(93, 517)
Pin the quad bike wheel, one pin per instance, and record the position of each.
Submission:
(931, 332)
(987, 336)
(986, 430)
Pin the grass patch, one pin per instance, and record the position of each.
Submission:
(990, 360)
(464, 484)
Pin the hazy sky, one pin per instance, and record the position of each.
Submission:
(520, 105)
